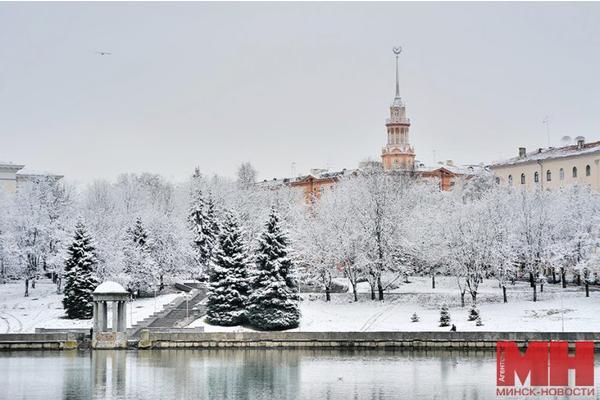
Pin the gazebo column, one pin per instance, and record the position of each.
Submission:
(104, 316)
(101, 309)
(123, 316)
(95, 324)
(115, 316)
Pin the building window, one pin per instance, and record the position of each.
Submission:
(574, 172)
(588, 170)
(536, 177)
(510, 179)
(522, 179)
(561, 174)
(548, 176)
(497, 180)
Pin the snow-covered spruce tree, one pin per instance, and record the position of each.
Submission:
(213, 218)
(473, 313)
(80, 279)
(444, 316)
(202, 227)
(414, 318)
(478, 321)
(274, 299)
(229, 284)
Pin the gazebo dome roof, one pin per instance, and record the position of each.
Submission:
(110, 287)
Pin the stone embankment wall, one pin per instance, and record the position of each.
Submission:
(190, 338)
(408, 340)
(41, 341)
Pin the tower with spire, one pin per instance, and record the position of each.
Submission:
(398, 154)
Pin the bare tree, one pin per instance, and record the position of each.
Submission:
(246, 175)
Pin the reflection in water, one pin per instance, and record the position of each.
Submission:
(109, 374)
(248, 374)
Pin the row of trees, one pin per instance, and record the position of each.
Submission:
(146, 231)
(382, 227)
(371, 226)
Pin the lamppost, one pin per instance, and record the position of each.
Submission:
(154, 287)
(187, 306)
(130, 310)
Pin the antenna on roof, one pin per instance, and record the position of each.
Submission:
(546, 121)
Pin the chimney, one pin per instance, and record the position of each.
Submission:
(580, 143)
(522, 152)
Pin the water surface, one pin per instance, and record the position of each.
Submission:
(248, 374)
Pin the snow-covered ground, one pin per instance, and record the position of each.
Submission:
(393, 314)
(43, 308)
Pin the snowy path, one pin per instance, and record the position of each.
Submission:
(372, 320)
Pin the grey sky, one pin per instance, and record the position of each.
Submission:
(213, 85)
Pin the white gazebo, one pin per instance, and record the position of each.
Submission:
(116, 337)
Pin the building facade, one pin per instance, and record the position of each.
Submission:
(312, 185)
(8, 176)
(12, 175)
(552, 167)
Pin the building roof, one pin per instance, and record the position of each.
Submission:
(324, 174)
(29, 173)
(110, 287)
(550, 153)
(11, 166)
(454, 169)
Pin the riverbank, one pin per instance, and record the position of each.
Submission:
(556, 310)
(169, 339)
(409, 340)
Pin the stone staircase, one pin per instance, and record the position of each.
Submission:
(176, 314)
(183, 313)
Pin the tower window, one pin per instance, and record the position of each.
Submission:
(561, 174)
(574, 172)
(588, 170)
(536, 177)
(548, 176)
(522, 179)
(510, 179)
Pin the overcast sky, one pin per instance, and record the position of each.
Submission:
(213, 85)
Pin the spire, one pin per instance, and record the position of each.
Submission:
(397, 99)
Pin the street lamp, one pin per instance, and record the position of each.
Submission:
(187, 306)
(154, 287)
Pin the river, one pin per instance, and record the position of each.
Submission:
(248, 374)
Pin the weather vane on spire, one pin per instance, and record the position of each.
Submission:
(397, 51)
